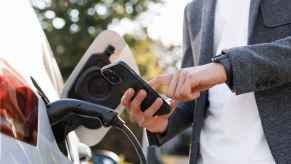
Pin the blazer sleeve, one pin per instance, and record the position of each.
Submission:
(182, 118)
(260, 66)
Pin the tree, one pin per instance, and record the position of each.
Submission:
(71, 25)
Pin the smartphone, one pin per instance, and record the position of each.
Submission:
(122, 77)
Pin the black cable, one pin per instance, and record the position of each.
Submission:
(66, 111)
(120, 125)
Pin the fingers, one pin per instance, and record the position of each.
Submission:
(153, 108)
(160, 80)
(156, 124)
(187, 87)
(127, 97)
(175, 82)
(173, 105)
(135, 111)
(145, 119)
(173, 85)
(194, 88)
(136, 102)
(185, 91)
(180, 92)
(179, 85)
(149, 118)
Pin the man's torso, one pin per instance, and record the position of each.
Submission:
(232, 131)
(269, 20)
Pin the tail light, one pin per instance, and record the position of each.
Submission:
(18, 106)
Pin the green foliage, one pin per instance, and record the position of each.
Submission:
(71, 25)
(146, 58)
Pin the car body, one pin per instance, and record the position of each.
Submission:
(25, 50)
(29, 79)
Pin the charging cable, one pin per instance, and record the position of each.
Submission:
(72, 113)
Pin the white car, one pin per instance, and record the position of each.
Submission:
(29, 80)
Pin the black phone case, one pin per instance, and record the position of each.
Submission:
(128, 78)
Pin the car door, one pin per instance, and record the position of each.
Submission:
(25, 132)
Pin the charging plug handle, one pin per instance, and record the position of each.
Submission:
(60, 111)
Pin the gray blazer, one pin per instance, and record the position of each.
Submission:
(264, 67)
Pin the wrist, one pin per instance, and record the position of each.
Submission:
(223, 59)
(219, 72)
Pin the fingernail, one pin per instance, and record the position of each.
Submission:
(130, 90)
(143, 92)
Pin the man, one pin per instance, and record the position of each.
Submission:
(238, 103)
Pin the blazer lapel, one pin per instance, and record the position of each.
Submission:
(208, 15)
(254, 10)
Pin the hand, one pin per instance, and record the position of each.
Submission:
(146, 119)
(187, 83)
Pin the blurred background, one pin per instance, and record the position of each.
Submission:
(153, 30)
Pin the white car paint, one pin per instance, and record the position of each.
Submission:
(122, 53)
(24, 46)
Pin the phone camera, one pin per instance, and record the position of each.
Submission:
(111, 76)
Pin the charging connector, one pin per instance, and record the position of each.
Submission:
(68, 114)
